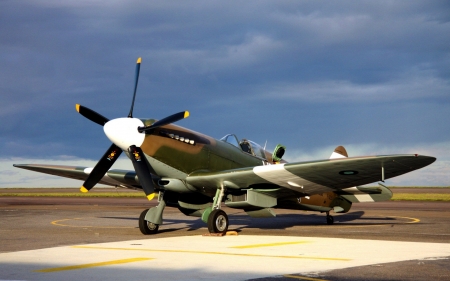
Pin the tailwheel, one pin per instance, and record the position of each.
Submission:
(147, 227)
(218, 221)
(330, 219)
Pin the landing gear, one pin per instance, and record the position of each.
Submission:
(150, 219)
(218, 221)
(330, 219)
(147, 227)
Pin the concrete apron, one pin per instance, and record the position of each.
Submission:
(210, 258)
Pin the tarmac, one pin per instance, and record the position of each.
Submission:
(98, 238)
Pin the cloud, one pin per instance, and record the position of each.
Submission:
(413, 87)
(251, 51)
(305, 73)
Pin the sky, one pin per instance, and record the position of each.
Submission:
(373, 76)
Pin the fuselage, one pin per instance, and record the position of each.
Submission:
(188, 151)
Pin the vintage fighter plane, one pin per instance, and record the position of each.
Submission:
(197, 173)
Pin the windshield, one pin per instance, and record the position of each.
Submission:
(257, 150)
(231, 139)
(252, 148)
(247, 146)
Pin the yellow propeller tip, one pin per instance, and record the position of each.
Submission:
(83, 189)
(139, 60)
(77, 107)
(151, 196)
(186, 114)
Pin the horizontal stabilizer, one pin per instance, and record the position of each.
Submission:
(339, 152)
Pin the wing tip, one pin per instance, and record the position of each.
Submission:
(22, 166)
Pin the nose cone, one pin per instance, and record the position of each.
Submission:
(123, 132)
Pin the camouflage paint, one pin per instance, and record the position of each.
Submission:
(205, 154)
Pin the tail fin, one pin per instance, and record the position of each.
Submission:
(339, 152)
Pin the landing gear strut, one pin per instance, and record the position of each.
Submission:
(217, 220)
(150, 219)
(330, 219)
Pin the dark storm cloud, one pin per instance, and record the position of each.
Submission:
(308, 74)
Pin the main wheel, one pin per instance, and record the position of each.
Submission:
(330, 220)
(218, 221)
(147, 227)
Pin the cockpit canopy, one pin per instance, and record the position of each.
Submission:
(245, 145)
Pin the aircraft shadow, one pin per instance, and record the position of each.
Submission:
(240, 221)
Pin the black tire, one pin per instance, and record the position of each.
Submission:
(147, 227)
(330, 220)
(218, 222)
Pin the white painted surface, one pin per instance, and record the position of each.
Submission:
(211, 258)
(88, 171)
(278, 175)
(335, 155)
(123, 132)
(364, 198)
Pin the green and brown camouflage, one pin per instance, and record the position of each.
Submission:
(191, 167)
(202, 164)
(197, 173)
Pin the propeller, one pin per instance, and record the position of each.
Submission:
(142, 170)
(170, 119)
(126, 134)
(136, 79)
(103, 165)
(91, 115)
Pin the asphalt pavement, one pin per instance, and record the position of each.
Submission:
(406, 241)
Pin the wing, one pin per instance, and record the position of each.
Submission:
(315, 177)
(113, 177)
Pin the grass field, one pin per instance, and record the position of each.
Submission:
(421, 197)
(419, 187)
(76, 194)
(443, 196)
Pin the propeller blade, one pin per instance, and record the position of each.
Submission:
(91, 115)
(103, 165)
(136, 79)
(170, 119)
(142, 170)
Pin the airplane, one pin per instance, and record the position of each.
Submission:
(199, 174)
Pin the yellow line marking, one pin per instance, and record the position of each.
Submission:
(270, 245)
(58, 223)
(303, 278)
(413, 220)
(212, 253)
(88, 265)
